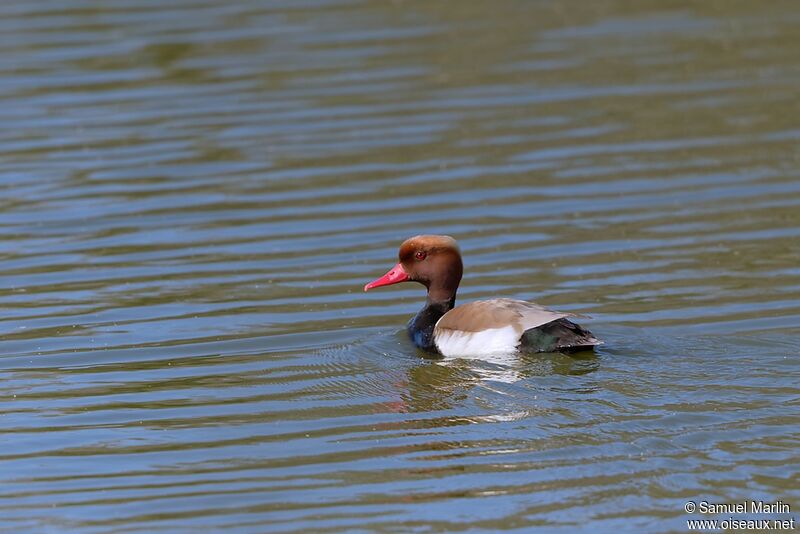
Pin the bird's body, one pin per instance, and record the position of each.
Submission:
(480, 328)
(503, 325)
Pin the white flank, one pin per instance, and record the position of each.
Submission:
(492, 341)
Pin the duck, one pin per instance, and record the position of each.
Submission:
(480, 328)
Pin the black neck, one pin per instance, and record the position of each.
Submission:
(420, 328)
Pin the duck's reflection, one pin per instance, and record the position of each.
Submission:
(437, 384)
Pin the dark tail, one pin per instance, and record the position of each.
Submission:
(560, 335)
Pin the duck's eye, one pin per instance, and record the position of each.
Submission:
(420, 255)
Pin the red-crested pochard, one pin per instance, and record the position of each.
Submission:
(478, 328)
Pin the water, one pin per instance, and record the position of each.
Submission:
(194, 193)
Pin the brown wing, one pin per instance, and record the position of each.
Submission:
(497, 313)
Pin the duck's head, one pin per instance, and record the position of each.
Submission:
(432, 260)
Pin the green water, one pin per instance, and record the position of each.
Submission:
(193, 194)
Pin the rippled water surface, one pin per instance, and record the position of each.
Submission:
(193, 194)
